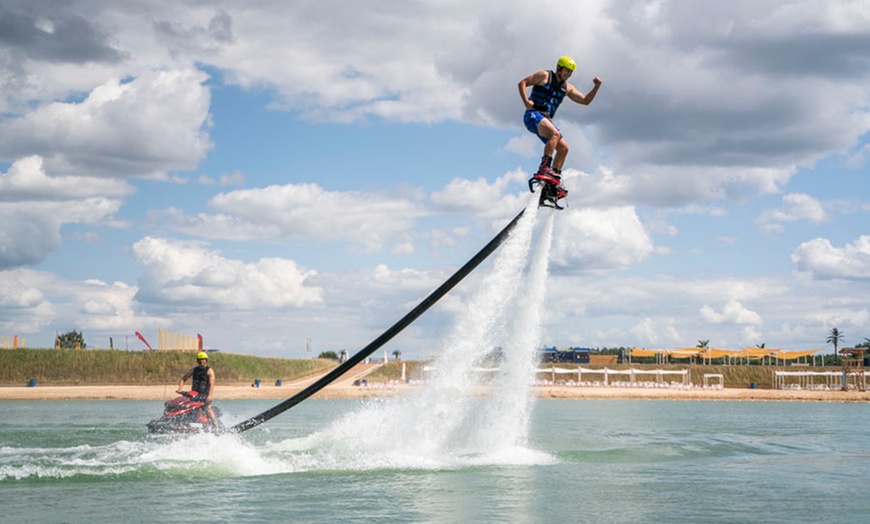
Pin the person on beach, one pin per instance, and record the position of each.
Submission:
(549, 88)
(202, 383)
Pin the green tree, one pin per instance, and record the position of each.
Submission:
(331, 355)
(71, 340)
(835, 336)
(396, 354)
(702, 343)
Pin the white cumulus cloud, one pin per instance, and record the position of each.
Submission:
(822, 260)
(733, 312)
(600, 238)
(795, 207)
(300, 211)
(178, 272)
(34, 206)
(141, 127)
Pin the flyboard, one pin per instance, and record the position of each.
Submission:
(385, 337)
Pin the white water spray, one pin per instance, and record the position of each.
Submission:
(506, 414)
(443, 422)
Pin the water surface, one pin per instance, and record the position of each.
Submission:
(585, 461)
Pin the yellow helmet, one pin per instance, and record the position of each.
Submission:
(567, 62)
(202, 355)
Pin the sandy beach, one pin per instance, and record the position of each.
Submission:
(246, 391)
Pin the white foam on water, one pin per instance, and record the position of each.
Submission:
(202, 455)
(222, 454)
(44, 462)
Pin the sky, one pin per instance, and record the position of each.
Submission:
(286, 178)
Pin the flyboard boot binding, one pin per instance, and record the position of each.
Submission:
(552, 191)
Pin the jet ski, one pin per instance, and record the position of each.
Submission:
(185, 414)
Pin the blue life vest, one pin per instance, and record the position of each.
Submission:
(549, 95)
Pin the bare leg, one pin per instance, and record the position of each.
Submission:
(547, 130)
(212, 416)
(561, 153)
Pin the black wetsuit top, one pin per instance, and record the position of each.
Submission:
(200, 382)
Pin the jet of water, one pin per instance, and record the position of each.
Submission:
(506, 414)
(443, 420)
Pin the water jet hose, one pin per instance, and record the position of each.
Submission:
(385, 337)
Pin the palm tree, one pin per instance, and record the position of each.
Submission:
(703, 345)
(397, 354)
(835, 337)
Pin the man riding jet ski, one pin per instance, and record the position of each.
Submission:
(192, 411)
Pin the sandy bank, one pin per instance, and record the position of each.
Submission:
(222, 392)
(245, 391)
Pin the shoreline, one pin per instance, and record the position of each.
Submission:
(344, 391)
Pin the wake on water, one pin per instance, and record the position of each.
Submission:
(445, 426)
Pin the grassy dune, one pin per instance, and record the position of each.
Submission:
(107, 367)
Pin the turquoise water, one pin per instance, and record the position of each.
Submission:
(583, 461)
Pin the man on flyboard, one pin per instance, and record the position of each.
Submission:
(549, 88)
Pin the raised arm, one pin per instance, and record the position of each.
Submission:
(579, 97)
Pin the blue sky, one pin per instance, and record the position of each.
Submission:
(293, 171)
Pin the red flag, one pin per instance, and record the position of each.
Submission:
(143, 340)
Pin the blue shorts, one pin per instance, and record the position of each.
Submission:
(532, 118)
